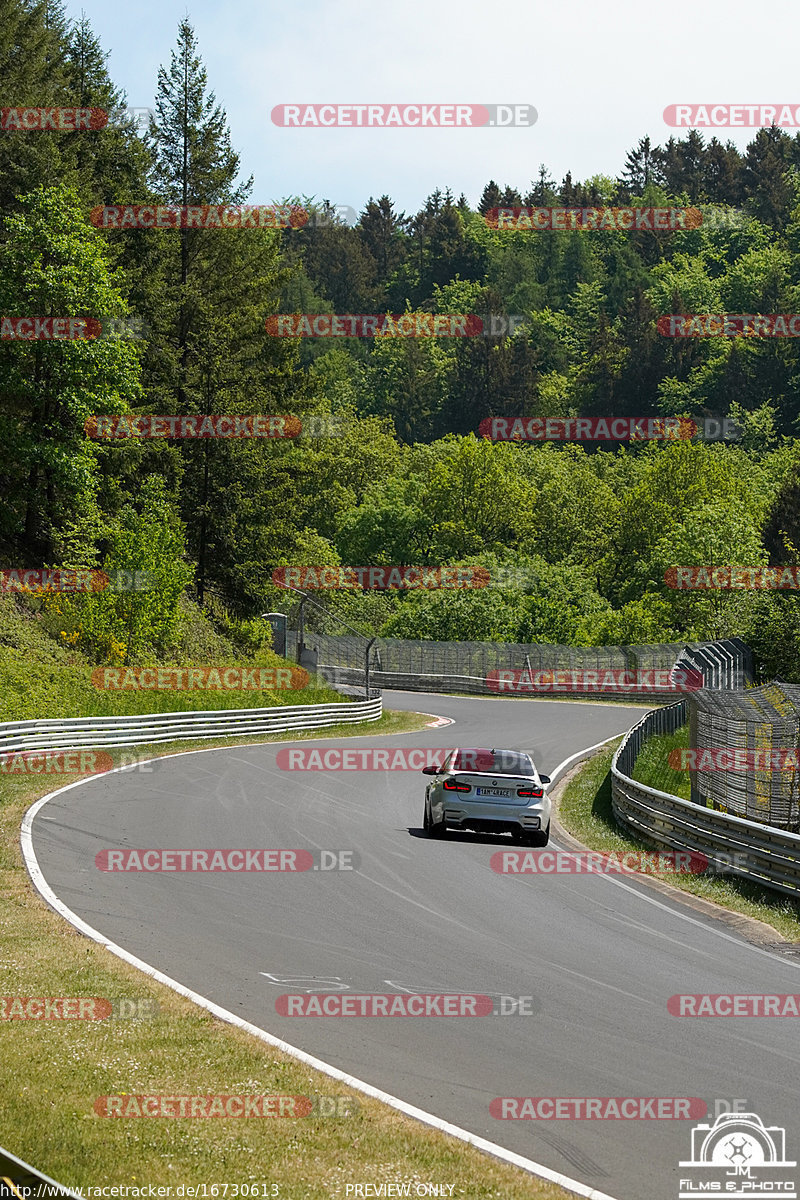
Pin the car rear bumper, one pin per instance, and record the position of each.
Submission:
(474, 815)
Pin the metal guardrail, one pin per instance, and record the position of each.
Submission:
(25, 1180)
(735, 846)
(74, 733)
(472, 685)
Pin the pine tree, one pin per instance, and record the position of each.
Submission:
(111, 163)
(33, 41)
(765, 177)
(722, 174)
(382, 229)
(210, 301)
(641, 169)
(542, 191)
(511, 198)
(491, 197)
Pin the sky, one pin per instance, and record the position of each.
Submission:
(599, 76)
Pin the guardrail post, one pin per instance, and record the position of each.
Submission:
(370, 644)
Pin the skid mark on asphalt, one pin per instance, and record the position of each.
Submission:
(572, 1153)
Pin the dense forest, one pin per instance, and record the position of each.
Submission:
(575, 537)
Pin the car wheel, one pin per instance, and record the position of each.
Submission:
(426, 821)
(434, 829)
(536, 837)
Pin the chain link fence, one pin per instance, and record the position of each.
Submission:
(733, 845)
(505, 668)
(763, 719)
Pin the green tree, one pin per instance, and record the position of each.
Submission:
(51, 266)
(675, 481)
(213, 291)
(138, 613)
(475, 499)
(712, 533)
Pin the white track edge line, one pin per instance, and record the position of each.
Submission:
(410, 1110)
(582, 754)
(676, 909)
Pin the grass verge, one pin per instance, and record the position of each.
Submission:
(585, 811)
(52, 1071)
(652, 766)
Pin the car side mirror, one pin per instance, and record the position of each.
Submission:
(432, 770)
(544, 779)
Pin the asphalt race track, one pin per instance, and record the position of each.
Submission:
(599, 956)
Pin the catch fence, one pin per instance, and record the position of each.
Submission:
(507, 668)
(762, 719)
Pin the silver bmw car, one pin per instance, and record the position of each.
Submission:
(494, 791)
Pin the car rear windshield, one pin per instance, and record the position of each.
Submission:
(493, 762)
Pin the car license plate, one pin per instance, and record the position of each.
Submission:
(493, 792)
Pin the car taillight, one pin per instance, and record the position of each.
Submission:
(452, 785)
(530, 793)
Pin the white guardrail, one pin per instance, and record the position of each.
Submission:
(75, 733)
(761, 853)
